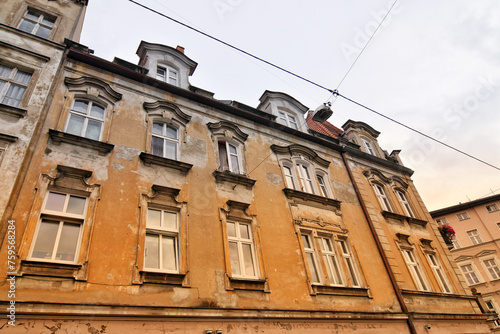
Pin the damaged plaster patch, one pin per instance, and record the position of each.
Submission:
(196, 152)
(223, 298)
(117, 166)
(180, 295)
(274, 179)
(126, 152)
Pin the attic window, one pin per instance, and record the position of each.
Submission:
(287, 119)
(167, 74)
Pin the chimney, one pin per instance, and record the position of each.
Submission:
(180, 48)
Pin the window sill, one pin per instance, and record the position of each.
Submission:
(311, 199)
(52, 269)
(162, 278)
(240, 283)
(340, 291)
(402, 218)
(234, 178)
(12, 111)
(59, 137)
(150, 159)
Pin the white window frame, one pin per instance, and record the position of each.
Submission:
(322, 180)
(352, 268)
(442, 221)
(10, 82)
(305, 174)
(311, 258)
(169, 75)
(456, 243)
(491, 305)
(225, 158)
(44, 20)
(62, 217)
(288, 119)
(474, 237)
(240, 242)
(331, 260)
(405, 203)
(382, 197)
(415, 269)
(491, 267)
(368, 146)
(492, 207)
(463, 216)
(439, 273)
(471, 274)
(163, 232)
(289, 177)
(87, 117)
(166, 139)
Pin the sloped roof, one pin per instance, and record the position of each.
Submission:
(326, 128)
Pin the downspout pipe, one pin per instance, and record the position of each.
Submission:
(395, 286)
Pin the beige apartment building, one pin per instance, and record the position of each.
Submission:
(149, 206)
(476, 245)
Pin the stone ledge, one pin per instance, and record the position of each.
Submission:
(150, 159)
(59, 137)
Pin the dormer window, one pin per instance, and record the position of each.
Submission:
(368, 147)
(287, 119)
(167, 74)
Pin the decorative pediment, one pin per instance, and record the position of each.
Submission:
(167, 110)
(239, 211)
(319, 222)
(376, 175)
(463, 258)
(399, 182)
(165, 195)
(486, 253)
(227, 129)
(301, 151)
(426, 244)
(94, 87)
(404, 240)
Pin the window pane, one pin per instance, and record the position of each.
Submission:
(76, 205)
(45, 239)
(48, 21)
(171, 132)
(2, 83)
(55, 202)
(231, 230)
(22, 77)
(223, 155)
(151, 258)
(43, 32)
(248, 258)
(75, 125)
(312, 268)
(305, 241)
(97, 111)
(93, 129)
(234, 258)
(235, 167)
(170, 220)
(244, 233)
(154, 217)
(158, 128)
(32, 15)
(5, 71)
(157, 146)
(26, 26)
(80, 106)
(68, 241)
(168, 251)
(14, 95)
(170, 150)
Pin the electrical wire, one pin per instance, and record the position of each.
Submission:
(334, 92)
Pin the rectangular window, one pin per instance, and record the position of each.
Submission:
(474, 237)
(456, 243)
(463, 216)
(161, 250)
(492, 308)
(86, 119)
(289, 177)
(309, 250)
(167, 74)
(164, 141)
(229, 157)
(442, 221)
(469, 274)
(492, 207)
(322, 185)
(439, 273)
(351, 267)
(58, 234)
(405, 204)
(415, 270)
(37, 23)
(382, 197)
(305, 179)
(331, 261)
(242, 250)
(492, 268)
(287, 119)
(13, 85)
(368, 147)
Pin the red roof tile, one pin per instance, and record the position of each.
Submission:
(326, 128)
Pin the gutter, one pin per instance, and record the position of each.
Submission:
(388, 269)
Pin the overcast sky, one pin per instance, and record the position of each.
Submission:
(434, 65)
